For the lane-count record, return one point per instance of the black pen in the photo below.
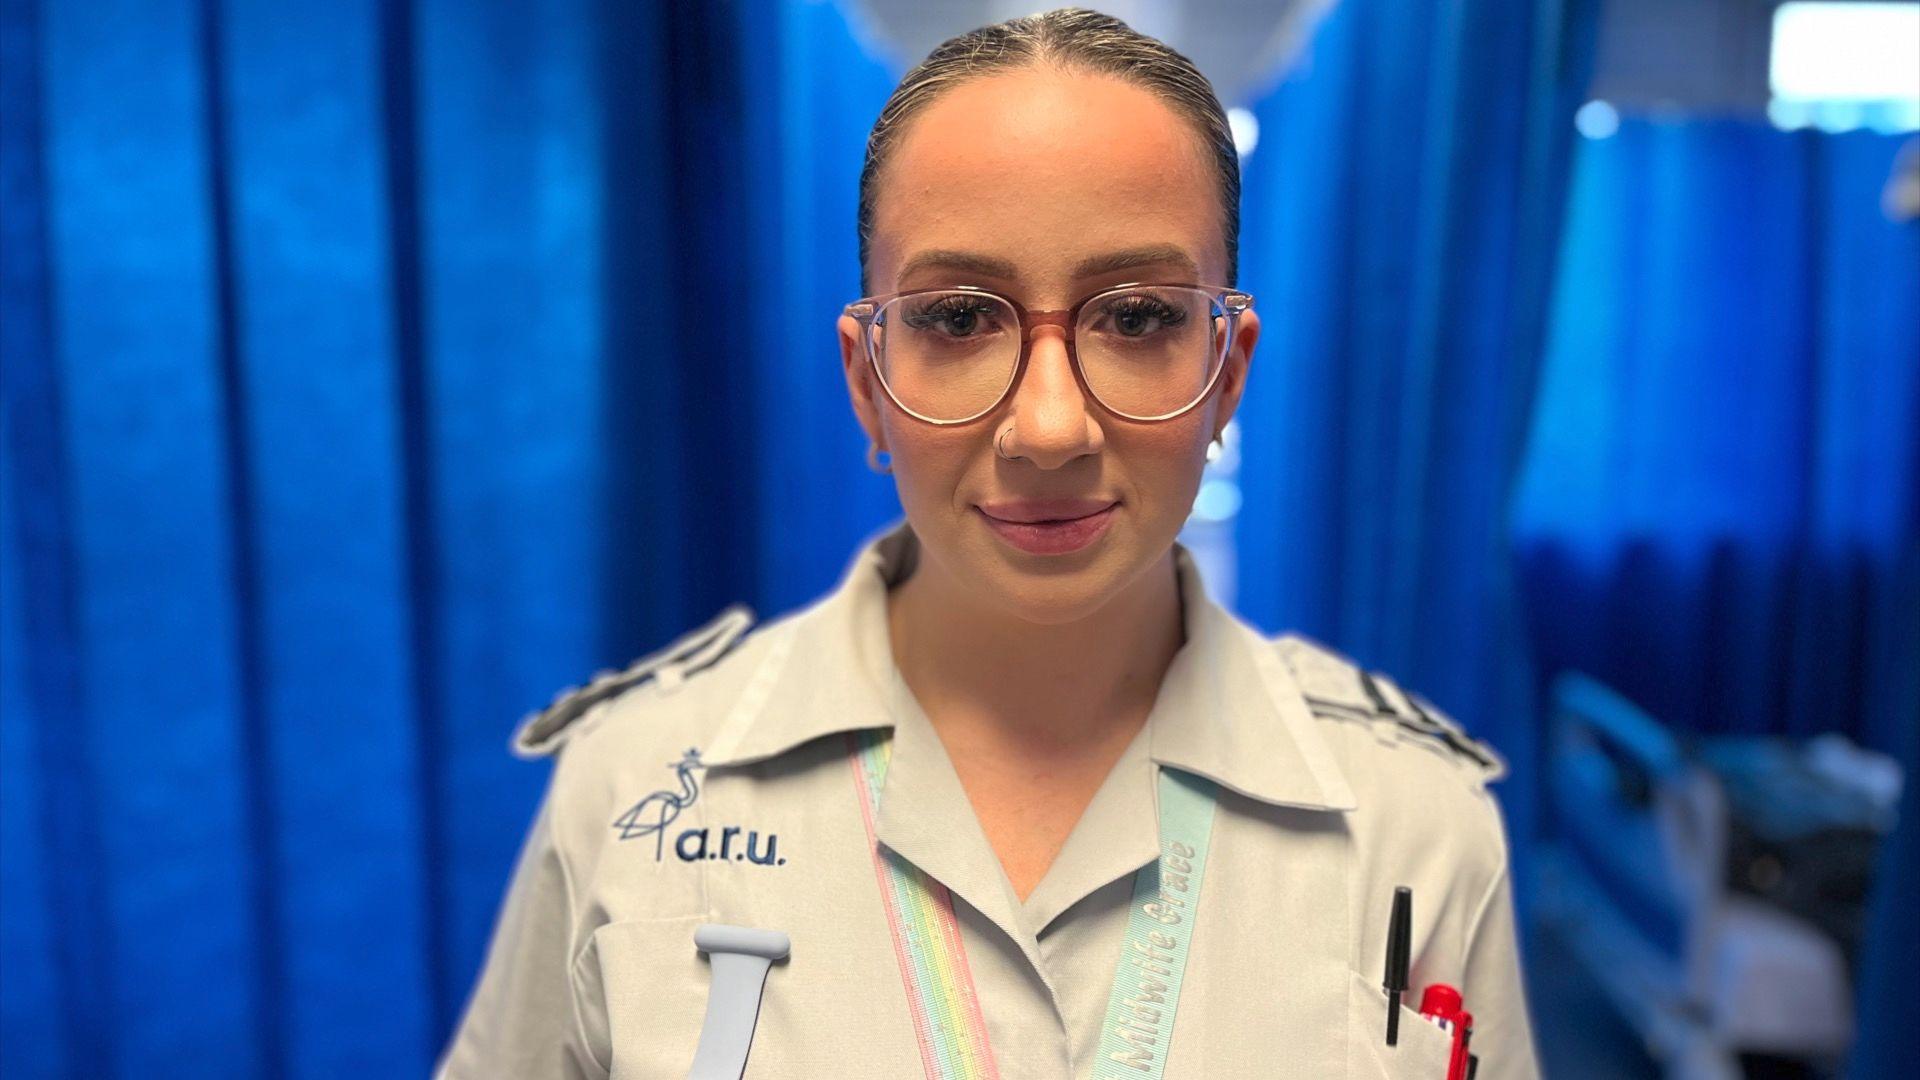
(1399, 943)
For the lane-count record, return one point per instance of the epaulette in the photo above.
(1337, 688)
(542, 731)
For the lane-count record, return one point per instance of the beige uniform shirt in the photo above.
(1334, 787)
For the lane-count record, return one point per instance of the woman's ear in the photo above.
(859, 375)
(1233, 376)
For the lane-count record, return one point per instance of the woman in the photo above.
(1016, 799)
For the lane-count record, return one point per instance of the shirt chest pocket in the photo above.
(650, 982)
(1422, 1051)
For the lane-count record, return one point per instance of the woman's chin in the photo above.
(1049, 592)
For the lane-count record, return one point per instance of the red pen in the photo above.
(1442, 1004)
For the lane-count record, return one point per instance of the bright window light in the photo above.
(1839, 65)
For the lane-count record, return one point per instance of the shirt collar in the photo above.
(828, 668)
(1228, 709)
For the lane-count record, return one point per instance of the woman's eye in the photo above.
(1140, 316)
(959, 320)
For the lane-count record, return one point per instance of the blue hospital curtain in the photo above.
(372, 371)
(1721, 510)
(1402, 216)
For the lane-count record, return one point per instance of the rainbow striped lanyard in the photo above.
(947, 1021)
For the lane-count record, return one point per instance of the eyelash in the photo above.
(1140, 305)
(947, 307)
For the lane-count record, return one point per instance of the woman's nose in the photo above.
(1053, 422)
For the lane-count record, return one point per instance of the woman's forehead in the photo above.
(1044, 174)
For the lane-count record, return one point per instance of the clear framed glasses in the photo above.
(1145, 351)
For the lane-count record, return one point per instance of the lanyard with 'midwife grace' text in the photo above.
(1146, 982)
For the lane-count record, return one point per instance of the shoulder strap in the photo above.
(543, 731)
(1338, 688)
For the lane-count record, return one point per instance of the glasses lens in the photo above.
(1152, 350)
(947, 355)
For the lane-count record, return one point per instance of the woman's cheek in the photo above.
(929, 475)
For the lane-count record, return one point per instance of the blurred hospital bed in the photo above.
(1714, 888)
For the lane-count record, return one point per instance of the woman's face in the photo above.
(1034, 172)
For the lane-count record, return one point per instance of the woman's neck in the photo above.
(992, 681)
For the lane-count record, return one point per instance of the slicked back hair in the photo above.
(1067, 39)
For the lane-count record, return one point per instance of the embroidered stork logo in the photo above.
(651, 815)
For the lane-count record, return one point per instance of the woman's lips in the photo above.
(1053, 536)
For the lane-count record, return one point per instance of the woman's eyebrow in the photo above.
(1139, 256)
(1092, 266)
